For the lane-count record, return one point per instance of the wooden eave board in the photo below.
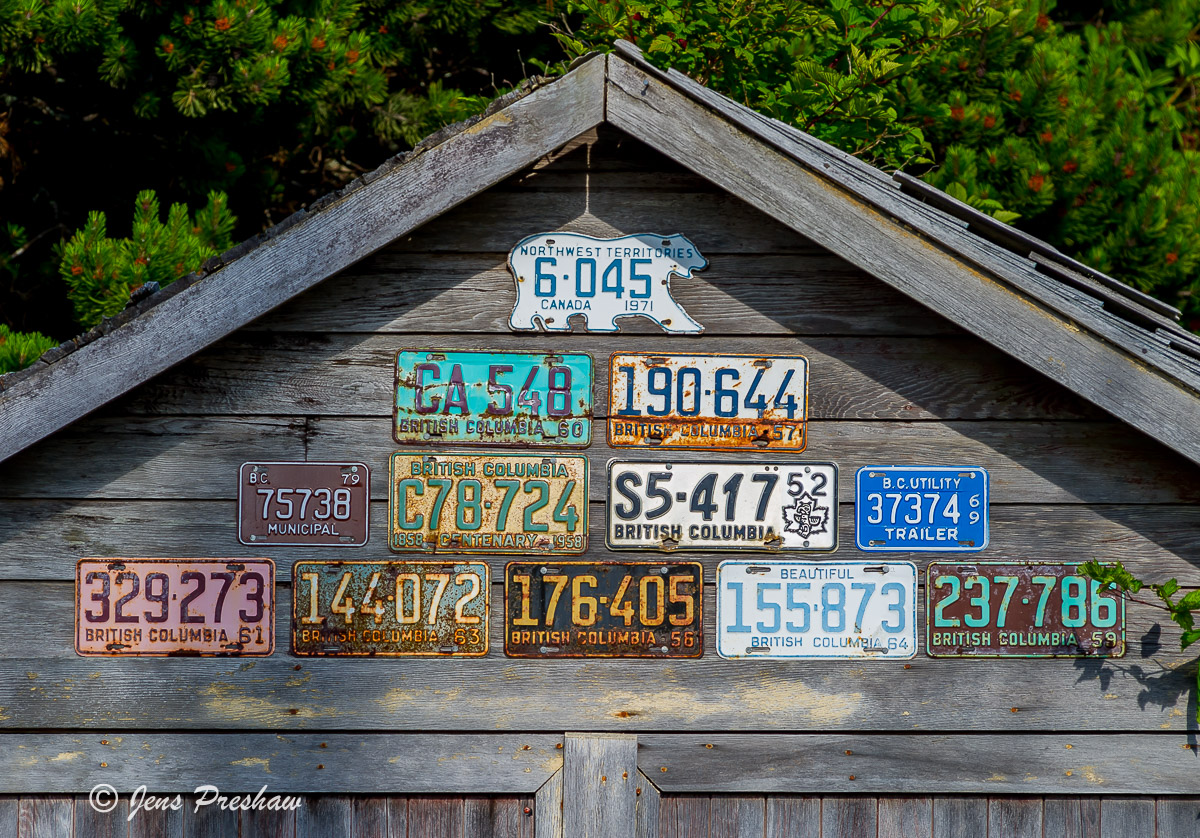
(993, 293)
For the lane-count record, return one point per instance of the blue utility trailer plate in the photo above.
(479, 397)
(921, 509)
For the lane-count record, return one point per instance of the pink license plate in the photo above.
(174, 607)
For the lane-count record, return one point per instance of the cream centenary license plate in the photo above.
(488, 503)
(722, 506)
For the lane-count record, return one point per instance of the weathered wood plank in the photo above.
(954, 817)
(1063, 817)
(45, 816)
(848, 817)
(1067, 763)
(735, 294)
(318, 246)
(435, 816)
(1177, 817)
(619, 694)
(90, 823)
(209, 822)
(599, 785)
(9, 816)
(145, 458)
(793, 817)
(905, 379)
(647, 808)
(498, 817)
(1014, 817)
(160, 824)
(1129, 817)
(370, 817)
(171, 458)
(397, 817)
(684, 816)
(1084, 361)
(325, 816)
(737, 816)
(905, 817)
(335, 763)
(42, 539)
(1029, 462)
(548, 808)
(260, 823)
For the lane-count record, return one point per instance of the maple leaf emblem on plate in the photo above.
(805, 517)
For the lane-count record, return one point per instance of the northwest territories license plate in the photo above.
(161, 607)
(722, 506)
(923, 509)
(998, 610)
(715, 402)
(303, 504)
(390, 609)
(604, 609)
(493, 398)
(816, 610)
(488, 503)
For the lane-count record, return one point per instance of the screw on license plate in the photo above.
(758, 568)
(876, 568)
(546, 570)
(879, 544)
(545, 650)
(752, 649)
(875, 648)
(966, 544)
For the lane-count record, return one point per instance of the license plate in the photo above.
(303, 504)
(779, 610)
(488, 503)
(722, 506)
(161, 607)
(921, 509)
(390, 609)
(604, 610)
(493, 398)
(714, 402)
(999, 610)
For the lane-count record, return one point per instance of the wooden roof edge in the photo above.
(1007, 299)
(254, 276)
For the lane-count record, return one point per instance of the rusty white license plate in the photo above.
(488, 503)
(303, 504)
(722, 506)
(713, 402)
(166, 607)
(390, 609)
(479, 397)
(604, 609)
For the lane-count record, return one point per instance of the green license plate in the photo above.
(487, 503)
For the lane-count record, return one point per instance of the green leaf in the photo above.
(1188, 638)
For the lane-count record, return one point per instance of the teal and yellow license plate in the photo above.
(390, 609)
(509, 399)
(487, 503)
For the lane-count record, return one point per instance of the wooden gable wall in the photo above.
(154, 474)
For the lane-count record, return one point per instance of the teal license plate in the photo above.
(515, 399)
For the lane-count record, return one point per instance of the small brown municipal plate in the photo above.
(163, 607)
(390, 609)
(303, 504)
(603, 609)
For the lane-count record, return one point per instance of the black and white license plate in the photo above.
(722, 506)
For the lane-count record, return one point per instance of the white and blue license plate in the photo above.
(815, 610)
(921, 509)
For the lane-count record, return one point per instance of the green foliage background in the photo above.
(1077, 122)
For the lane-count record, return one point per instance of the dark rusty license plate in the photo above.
(303, 504)
(161, 607)
(603, 609)
(1010, 610)
(390, 609)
